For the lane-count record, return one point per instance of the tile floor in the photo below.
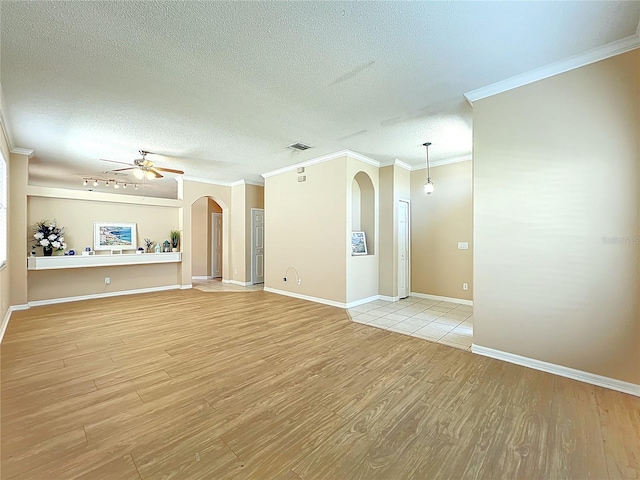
(441, 322)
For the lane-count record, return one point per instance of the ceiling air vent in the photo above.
(299, 146)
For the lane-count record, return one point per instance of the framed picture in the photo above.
(114, 236)
(358, 243)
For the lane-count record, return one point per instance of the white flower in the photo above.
(55, 244)
(64, 245)
(50, 227)
(61, 239)
(38, 235)
(44, 242)
(52, 237)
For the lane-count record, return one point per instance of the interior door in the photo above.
(257, 245)
(216, 245)
(403, 249)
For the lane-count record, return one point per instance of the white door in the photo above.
(216, 245)
(257, 245)
(403, 249)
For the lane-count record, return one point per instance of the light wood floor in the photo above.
(196, 385)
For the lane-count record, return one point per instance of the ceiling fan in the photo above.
(144, 168)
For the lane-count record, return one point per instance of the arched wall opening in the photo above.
(208, 238)
(363, 214)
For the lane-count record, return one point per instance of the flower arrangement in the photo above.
(49, 236)
(149, 243)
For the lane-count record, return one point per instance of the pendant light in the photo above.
(428, 186)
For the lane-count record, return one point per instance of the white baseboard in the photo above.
(5, 323)
(581, 376)
(186, 287)
(7, 317)
(362, 301)
(442, 299)
(236, 282)
(387, 298)
(306, 297)
(51, 301)
(200, 277)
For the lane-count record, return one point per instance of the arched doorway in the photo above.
(207, 235)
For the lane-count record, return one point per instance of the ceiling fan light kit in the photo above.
(143, 168)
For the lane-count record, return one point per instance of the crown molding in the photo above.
(189, 178)
(322, 159)
(571, 63)
(401, 164)
(23, 151)
(397, 163)
(246, 182)
(446, 161)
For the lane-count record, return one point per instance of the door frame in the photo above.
(408, 202)
(213, 244)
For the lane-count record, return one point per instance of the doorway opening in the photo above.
(207, 255)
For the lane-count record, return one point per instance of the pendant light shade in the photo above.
(428, 185)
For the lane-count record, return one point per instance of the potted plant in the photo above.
(174, 235)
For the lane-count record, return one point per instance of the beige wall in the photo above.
(362, 271)
(77, 216)
(5, 290)
(238, 232)
(556, 174)
(189, 192)
(18, 228)
(394, 186)
(438, 222)
(254, 198)
(201, 240)
(306, 228)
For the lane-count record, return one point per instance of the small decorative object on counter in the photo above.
(140, 250)
(158, 248)
(48, 236)
(166, 246)
(149, 243)
(72, 252)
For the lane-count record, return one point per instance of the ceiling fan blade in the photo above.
(155, 172)
(169, 170)
(146, 163)
(121, 169)
(113, 161)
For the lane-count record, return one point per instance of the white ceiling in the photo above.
(218, 89)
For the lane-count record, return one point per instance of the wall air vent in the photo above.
(299, 146)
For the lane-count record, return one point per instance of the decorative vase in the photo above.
(174, 249)
(47, 251)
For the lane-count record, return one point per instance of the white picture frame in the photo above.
(358, 243)
(114, 236)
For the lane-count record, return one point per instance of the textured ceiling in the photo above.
(218, 89)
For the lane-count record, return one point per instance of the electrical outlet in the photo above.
(463, 245)
(465, 286)
(284, 279)
(107, 280)
(299, 281)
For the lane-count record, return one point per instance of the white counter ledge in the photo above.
(83, 261)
